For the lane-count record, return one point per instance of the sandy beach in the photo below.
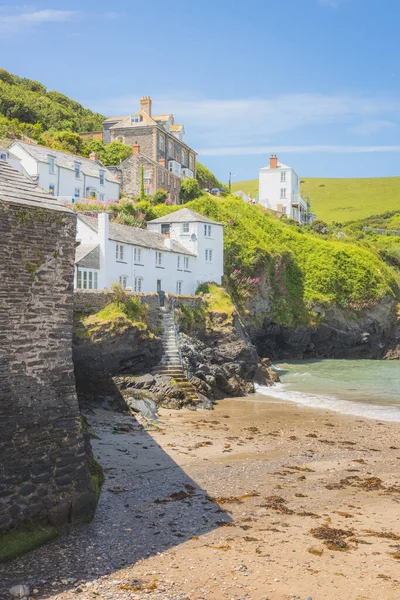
(257, 499)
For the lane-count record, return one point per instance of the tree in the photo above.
(319, 226)
(206, 178)
(190, 190)
(115, 153)
(159, 197)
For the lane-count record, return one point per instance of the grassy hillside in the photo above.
(343, 199)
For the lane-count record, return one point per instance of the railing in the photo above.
(176, 333)
(382, 231)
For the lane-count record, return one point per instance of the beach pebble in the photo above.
(19, 591)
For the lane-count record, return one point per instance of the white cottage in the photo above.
(279, 190)
(175, 254)
(69, 177)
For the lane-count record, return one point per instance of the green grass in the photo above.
(17, 542)
(343, 200)
(218, 300)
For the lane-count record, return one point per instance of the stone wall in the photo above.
(44, 473)
(189, 301)
(91, 301)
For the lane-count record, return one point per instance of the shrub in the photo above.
(190, 190)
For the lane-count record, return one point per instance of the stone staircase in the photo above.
(171, 363)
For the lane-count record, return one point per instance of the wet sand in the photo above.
(257, 499)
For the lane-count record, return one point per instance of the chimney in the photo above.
(94, 156)
(135, 149)
(168, 242)
(145, 104)
(273, 161)
(103, 227)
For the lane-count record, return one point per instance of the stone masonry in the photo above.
(44, 472)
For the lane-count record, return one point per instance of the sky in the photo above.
(316, 82)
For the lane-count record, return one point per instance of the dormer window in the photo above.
(77, 169)
(3, 156)
(102, 178)
(136, 118)
(51, 164)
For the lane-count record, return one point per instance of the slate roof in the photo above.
(136, 236)
(185, 215)
(18, 188)
(83, 250)
(63, 159)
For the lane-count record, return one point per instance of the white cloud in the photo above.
(252, 150)
(371, 127)
(19, 22)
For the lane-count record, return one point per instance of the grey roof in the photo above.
(185, 215)
(18, 188)
(136, 236)
(83, 250)
(63, 159)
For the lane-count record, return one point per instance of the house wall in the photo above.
(195, 241)
(270, 185)
(160, 177)
(44, 468)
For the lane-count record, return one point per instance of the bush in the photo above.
(159, 197)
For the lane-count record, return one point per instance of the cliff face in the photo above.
(340, 333)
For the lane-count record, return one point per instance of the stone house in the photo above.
(45, 474)
(175, 254)
(68, 177)
(158, 138)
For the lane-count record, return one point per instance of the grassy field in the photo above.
(343, 199)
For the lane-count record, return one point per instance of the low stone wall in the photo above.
(189, 301)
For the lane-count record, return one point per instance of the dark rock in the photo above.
(147, 408)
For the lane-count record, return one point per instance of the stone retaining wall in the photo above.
(44, 472)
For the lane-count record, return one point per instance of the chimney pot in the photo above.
(135, 149)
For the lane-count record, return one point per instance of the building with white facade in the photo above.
(67, 176)
(279, 190)
(175, 254)
(13, 160)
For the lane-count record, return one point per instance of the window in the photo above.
(77, 193)
(283, 193)
(186, 263)
(51, 164)
(185, 228)
(137, 255)
(121, 139)
(3, 156)
(191, 162)
(51, 189)
(162, 176)
(101, 197)
(209, 255)
(135, 118)
(165, 228)
(179, 288)
(283, 176)
(123, 280)
(158, 259)
(138, 284)
(102, 178)
(178, 263)
(161, 143)
(183, 157)
(147, 191)
(119, 252)
(77, 168)
(169, 179)
(207, 230)
(169, 148)
(87, 280)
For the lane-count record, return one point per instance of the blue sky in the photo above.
(315, 81)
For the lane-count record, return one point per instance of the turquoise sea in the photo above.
(367, 388)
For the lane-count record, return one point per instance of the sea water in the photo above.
(367, 388)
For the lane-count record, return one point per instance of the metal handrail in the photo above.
(176, 332)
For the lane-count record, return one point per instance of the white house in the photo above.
(279, 190)
(175, 254)
(67, 176)
(13, 160)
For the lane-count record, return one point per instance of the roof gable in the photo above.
(184, 215)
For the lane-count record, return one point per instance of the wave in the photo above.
(279, 391)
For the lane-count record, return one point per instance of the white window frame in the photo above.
(102, 177)
(123, 281)
(3, 156)
(209, 255)
(52, 165)
(182, 157)
(190, 162)
(161, 143)
(147, 191)
(52, 189)
(207, 230)
(179, 288)
(101, 197)
(185, 228)
(186, 263)
(283, 176)
(119, 252)
(135, 118)
(170, 148)
(178, 263)
(283, 194)
(159, 258)
(77, 193)
(87, 279)
(137, 255)
(77, 169)
(138, 284)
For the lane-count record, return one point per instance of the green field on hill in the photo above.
(343, 199)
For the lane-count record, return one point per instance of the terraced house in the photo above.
(157, 144)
